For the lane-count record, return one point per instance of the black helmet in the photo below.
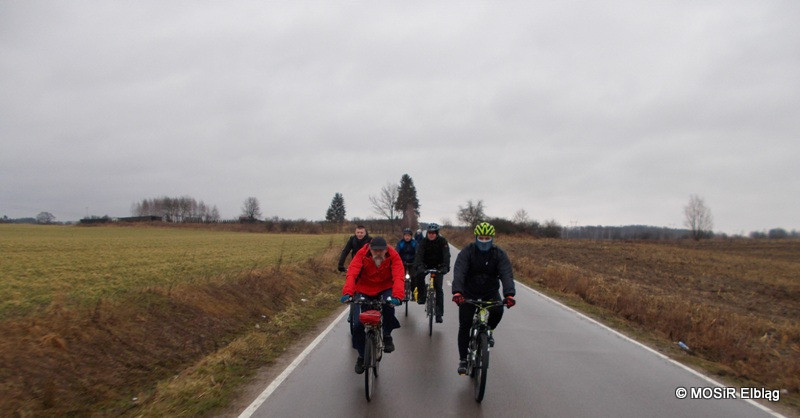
(433, 228)
(407, 231)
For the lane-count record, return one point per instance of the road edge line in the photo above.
(650, 349)
(248, 412)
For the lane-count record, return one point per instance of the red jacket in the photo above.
(365, 277)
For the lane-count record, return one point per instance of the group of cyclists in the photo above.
(377, 271)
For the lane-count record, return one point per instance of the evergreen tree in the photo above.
(407, 202)
(336, 211)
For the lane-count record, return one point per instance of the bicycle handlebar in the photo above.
(428, 271)
(484, 303)
(361, 300)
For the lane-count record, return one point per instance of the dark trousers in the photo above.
(390, 321)
(465, 314)
(422, 291)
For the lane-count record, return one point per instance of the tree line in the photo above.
(176, 209)
(398, 207)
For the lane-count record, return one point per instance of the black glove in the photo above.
(342, 269)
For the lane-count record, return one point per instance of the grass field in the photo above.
(84, 264)
(146, 321)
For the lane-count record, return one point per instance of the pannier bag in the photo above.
(371, 317)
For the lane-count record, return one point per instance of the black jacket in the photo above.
(432, 255)
(353, 244)
(478, 274)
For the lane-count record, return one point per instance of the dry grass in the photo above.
(735, 303)
(175, 347)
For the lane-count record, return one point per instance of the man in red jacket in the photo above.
(375, 272)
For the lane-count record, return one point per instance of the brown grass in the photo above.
(735, 303)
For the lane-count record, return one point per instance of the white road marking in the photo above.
(247, 413)
(663, 356)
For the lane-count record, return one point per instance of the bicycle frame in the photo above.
(478, 348)
(430, 303)
(372, 319)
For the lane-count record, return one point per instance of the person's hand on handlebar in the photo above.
(458, 298)
(346, 298)
(509, 301)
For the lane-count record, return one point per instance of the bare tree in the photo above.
(251, 209)
(698, 217)
(384, 203)
(45, 218)
(472, 214)
(521, 217)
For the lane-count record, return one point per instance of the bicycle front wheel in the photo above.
(430, 307)
(370, 364)
(481, 366)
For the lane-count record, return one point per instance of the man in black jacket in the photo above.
(354, 243)
(433, 252)
(480, 268)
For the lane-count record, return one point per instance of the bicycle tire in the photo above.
(481, 366)
(369, 365)
(431, 307)
(472, 362)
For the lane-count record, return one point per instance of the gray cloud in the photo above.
(600, 113)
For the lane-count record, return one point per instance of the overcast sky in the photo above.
(588, 113)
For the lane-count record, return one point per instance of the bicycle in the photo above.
(372, 319)
(409, 287)
(430, 302)
(479, 344)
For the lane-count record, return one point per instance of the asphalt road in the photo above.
(548, 361)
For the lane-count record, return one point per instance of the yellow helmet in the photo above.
(484, 228)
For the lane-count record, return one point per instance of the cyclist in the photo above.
(479, 269)
(353, 244)
(375, 272)
(406, 247)
(418, 236)
(433, 252)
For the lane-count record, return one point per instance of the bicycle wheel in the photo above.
(408, 296)
(430, 307)
(350, 319)
(481, 366)
(369, 365)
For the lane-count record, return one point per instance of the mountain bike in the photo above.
(430, 302)
(372, 319)
(478, 349)
(409, 287)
